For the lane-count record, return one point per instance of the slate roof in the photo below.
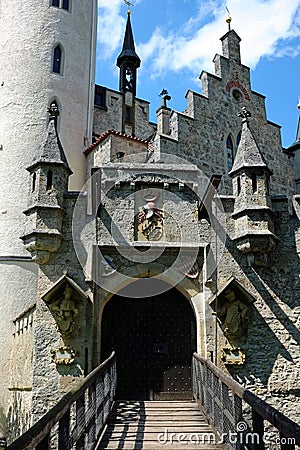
(128, 50)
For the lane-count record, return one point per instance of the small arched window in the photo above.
(49, 180)
(55, 3)
(57, 60)
(229, 151)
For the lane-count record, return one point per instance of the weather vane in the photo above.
(229, 18)
(129, 5)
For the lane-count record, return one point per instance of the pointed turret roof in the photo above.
(52, 151)
(248, 154)
(128, 50)
(296, 145)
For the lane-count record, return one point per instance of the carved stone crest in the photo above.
(150, 218)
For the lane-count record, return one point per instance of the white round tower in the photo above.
(47, 54)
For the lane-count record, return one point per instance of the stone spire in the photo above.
(49, 177)
(252, 213)
(52, 151)
(128, 61)
(248, 154)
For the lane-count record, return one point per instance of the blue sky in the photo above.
(177, 39)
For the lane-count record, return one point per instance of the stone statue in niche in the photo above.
(233, 314)
(65, 312)
(150, 219)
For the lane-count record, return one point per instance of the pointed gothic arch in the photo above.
(57, 59)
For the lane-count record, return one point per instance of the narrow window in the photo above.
(57, 60)
(238, 139)
(55, 3)
(238, 185)
(49, 180)
(229, 150)
(100, 96)
(268, 185)
(254, 182)
(65, 5)
(128, 115)
(33, 181)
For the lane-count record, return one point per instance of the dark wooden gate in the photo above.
(154, 339)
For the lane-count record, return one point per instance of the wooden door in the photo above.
(154, 339)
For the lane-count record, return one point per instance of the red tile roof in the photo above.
(115, 133)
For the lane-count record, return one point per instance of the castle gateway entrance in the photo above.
(154, 339)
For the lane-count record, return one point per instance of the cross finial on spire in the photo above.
(229, 18)
(244, 114)
(165, 97)
(129, 5)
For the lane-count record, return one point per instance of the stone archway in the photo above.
(154, 338)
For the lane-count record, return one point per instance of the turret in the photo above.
(48, 53)
(49, 176)
(252, 209)
(128, 62)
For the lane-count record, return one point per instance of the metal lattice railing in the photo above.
(78, 419)
(241, 419)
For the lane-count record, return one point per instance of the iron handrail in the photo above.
(231, 392)
(92, 400)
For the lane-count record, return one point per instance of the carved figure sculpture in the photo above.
(233, 314)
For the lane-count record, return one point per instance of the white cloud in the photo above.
(111, 24)
(260, 24)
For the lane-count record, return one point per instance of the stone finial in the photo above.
(53, 111)
(244, 114)
(165, 97)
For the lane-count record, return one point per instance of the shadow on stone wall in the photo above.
(18, 419)
(2, 423)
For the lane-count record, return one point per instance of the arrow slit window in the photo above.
(229, 151)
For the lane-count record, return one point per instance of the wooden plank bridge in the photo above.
(156, 424)
(90, 418)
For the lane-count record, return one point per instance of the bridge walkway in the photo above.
(157, 424)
